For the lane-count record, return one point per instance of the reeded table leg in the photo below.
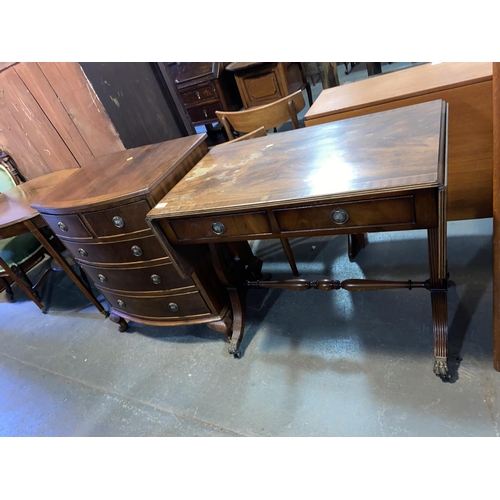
(238, 304)
(438, 281)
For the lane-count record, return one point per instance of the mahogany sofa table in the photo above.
(380, 172)
(17, 217)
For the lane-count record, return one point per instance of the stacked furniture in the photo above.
(99, 213)
(205, 87)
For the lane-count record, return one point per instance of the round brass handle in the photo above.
(83, 252)
(121, 303)
(102, 278)
(218, 228)
(339, 216)
(62, 226)
(155, 279)
(198, 95)
(118, 221)
(173, 307)
(205, 113)
(137, 250)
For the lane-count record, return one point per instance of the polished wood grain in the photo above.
(362, 155)
(466, 87)
(496, 216)
(382, 172)
(15, 204)
(121, 176)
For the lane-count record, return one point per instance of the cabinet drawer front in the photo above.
(68, 226)
(199, 94)
(171, 306)
(120, 220)
(151, 278)
(379, 212)
(205, 112)
(221, 227)
(121, 252)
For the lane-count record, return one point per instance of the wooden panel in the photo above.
(398, 85)
(233, 225)
(31, 138)
(47, 99)
(470, 142)
(68, 226)
(83, 106)
(496, 216)
(119, 252)
(134, 100)
(379, 212)
(188, 304)
(5, 65)
(138, 278)
(133, 218)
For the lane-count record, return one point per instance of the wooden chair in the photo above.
(261, 132)
(268, 116)
(21, 253)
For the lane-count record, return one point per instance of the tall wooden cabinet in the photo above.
(99, 213)
(205, 87)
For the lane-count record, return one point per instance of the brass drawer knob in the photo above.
(218, 228)
(198, 95)
(83, 252)
(155, 279)
(121, 303)
(173, 307)
(137, 250)
(205, 113)
(62, 226)
(118, 221)
(102, 278)
(339, 216)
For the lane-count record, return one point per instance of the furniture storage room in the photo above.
(258, 249)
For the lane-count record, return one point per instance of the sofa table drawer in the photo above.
(67, 226)
(120, 252)
(354, 214)
(119, 220)
(221, 227)
(150, 278)
(165, 306)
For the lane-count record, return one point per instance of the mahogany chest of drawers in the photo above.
(205, 87)
(99, 213)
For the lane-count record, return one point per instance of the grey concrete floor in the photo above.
(314, 363)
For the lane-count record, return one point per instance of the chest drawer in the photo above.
(173, 307)
(366, 213)
(199, 94)
(68, 226)
(121, 252)
(120, 220)
(150, 278)
(205, 112)
(221, 227)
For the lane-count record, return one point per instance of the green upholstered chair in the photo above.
(18, 254)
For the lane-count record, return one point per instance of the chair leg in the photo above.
(289, 255)
(19, 276)
(8, 290)
(309, 94)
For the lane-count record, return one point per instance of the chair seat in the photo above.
(16, 250)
